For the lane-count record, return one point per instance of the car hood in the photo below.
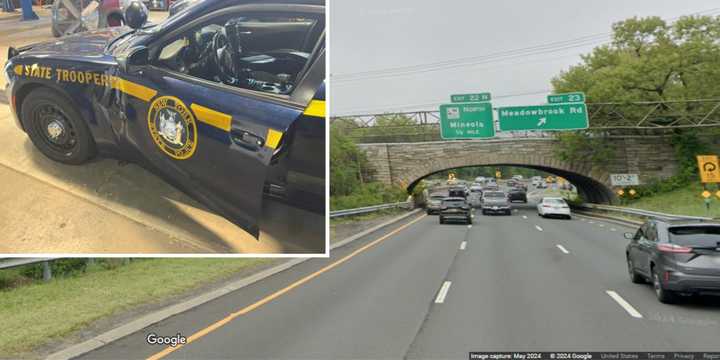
(84, 45)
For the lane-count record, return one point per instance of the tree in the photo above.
(348, 164)
(650, 60)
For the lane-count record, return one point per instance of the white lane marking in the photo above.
(591, 222)
(625, 305)
(443, 292)
(469, 226)
(602, 225)
(538, 227)
(582, 219)
(515, 210)
(463, 245)
(613, 229)
(562, 248)
(524, 216)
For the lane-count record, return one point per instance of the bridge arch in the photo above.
(405, 164)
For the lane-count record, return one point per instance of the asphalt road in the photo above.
(511, 288)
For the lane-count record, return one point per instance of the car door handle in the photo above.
(246, 139)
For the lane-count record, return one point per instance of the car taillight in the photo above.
(673, 248)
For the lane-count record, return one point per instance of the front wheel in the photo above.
(442, 221)
(56, 128)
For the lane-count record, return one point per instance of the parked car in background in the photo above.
(495, 202)
(434, 203)
(676, 257)
(553, 206)
(517, 177)
(455, 209)
(517, 194)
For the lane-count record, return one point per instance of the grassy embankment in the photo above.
(34, 313)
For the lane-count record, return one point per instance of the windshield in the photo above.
(698, 236)
(494, 194)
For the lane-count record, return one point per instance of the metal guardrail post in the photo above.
(368, 209)
(47, 271)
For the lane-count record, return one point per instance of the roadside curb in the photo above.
(164, 313)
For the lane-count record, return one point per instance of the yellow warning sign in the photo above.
(718, 194)
(621, 192)
(706, 194)
(632, 192)
(498, 174)
(709, 168)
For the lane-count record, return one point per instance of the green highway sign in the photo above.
(470, 98)
(543, 117)
(466, 121)
(574, 97)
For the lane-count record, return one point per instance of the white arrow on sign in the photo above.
(541, 122)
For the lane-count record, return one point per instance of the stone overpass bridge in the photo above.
(405, 164)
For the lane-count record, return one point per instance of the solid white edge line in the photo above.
(463, 245)
(443, 292)
(562, 248)
(625, 305)
(538, 228)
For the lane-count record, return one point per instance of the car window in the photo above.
(699, 236)
(554, 201)
(262, 52)
(651, 232)
(640, 234)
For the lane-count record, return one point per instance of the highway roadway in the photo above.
(424, 290)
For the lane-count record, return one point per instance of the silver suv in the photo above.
(495, 202)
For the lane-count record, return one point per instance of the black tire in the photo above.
(428, 212)
(43, 108)
(634, 276)
(484, 212)
(442, 221)
(469, 220)
(665, 296)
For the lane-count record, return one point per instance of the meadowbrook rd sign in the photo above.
(571, 116)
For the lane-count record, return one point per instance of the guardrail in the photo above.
(368, 209)
(639, 212)
(6, 263)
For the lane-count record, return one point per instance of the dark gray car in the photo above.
(495, 202)
(455, 209)
(677, 257)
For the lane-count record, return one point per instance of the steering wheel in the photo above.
(223, 58)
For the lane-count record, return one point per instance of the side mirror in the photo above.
(136, 14)
(628, 235)
(139, 56)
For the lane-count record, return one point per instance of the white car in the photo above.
(554, 206)
(518, 177)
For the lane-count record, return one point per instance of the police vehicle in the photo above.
(225, 100)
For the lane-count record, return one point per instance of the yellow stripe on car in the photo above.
(211, 117)
(315, 108)
(272, 140)
(139, 91)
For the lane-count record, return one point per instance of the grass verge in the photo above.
(683, 201)
(35, 314)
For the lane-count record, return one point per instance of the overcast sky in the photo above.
(369, 37)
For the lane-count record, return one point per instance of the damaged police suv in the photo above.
(225, 100)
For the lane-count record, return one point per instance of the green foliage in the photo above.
(651, 60)
(687, 146)
(578, 146)
(368, 195)
(59, 267)
(348, 164)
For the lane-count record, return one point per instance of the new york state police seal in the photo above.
(172, 127)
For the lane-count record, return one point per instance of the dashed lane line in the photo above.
(443, 292)
(624, 304)
(463, 245)
(562, 248)
(538, 228)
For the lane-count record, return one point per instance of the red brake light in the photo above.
(672, 248)
(547, 206)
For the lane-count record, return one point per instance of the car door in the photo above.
(212, 138)
(635, 250)
(646, 246)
